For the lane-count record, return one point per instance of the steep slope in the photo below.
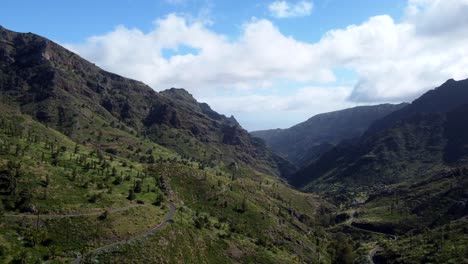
(306, 141)
(64, 91)
(423, 136)
(82, 167)
(383, 158)
(403, 183)
(441, 99)
(84, 198)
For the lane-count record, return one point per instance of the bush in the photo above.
(159, 199)
(104, 215)
(118, 180)
(138, 186)
(94, 198)
(111, 151)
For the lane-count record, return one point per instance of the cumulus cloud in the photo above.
(438, 16)
(284, 9)
(313, 99)
(264, 111)
(394, 61)
(250, 61)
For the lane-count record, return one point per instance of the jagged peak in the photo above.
(179, 91)
(233, 120)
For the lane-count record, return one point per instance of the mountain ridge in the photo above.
(53, 84)
(75, 139)
(424, 132)
(305, 141)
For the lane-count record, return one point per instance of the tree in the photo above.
(200, 220)
(93, 198)
(118, 180)
(131, 195)
(55, 160)
(343, 249)
(138, 186)
(243, 206)
(159, 199)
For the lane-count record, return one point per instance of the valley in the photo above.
(99, 168)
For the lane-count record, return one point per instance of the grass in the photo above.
(224, 214)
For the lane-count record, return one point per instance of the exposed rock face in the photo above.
(64, 91)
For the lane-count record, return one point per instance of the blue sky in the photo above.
(74, 21)
(270, 63)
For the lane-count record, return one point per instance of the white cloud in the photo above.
(314, 99)
(250, 61)
(438, 16)
(284, 9)
(394, 61)
(276, 110)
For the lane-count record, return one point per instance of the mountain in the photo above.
(405, 178)
(95, 167)
(426, 134)
(442, 99)
(68, 93)
(304, 142)
(98, 168)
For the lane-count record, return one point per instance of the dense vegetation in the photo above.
(88, 158)
(408, 173)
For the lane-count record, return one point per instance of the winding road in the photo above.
(377, 246)
(374, 250)
(372, 254)
(169, 217)
(49, 216)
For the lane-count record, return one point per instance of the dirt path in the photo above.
(377, 247)
(48, 216)
(168, 218)
(392, 237)
(348, 222)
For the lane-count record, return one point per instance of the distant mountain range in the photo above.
(404, 145)
(404, 172)
(306, 141)
(415, 159)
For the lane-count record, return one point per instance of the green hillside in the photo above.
(405, 178)
(98, 168)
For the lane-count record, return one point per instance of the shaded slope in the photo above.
(444, 98)
(66, 92)
(424, 138)
(228, 211)
(306, 141)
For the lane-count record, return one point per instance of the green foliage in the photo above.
(131, 195)
(87, 143)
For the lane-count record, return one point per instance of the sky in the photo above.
(270, 63)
